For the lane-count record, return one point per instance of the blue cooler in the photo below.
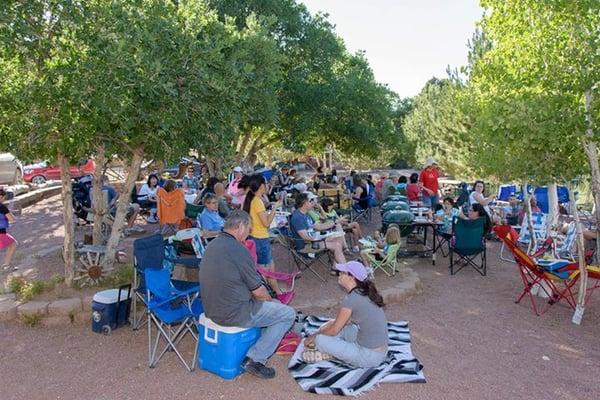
(221, 349)
(110, 309)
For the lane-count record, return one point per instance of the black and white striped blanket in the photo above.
(335, 377)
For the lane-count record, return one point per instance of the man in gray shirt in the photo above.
(233, 294)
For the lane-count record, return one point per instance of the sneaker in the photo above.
(257, 369)
(355, 249)
(315, 356)
(138, 229)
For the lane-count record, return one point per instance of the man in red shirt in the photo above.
(429, 178)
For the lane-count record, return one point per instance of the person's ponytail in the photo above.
(367, 288)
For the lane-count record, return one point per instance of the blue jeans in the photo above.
(275, 319)
(344, 348)
(263, 251)
(431, 201)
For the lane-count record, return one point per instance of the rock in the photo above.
(65, 307)
(8, 310)
(33, 307)
(8, 297)
(30, 274)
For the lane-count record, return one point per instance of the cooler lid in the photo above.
(208, 323)
(109, 296)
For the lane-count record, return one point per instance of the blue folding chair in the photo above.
(151, 252)
(173, 312)
(148, 252)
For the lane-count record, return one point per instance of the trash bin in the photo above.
(110, 309)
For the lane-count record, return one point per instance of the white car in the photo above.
(11, 170)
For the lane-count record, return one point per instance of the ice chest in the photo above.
(221, 349)
(110, 309)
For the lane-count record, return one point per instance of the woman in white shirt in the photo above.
(477, 196)
(147, 196)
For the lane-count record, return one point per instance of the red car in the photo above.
(43, 171)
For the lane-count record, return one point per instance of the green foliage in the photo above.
(27, 290)
(123, 275)
(516, 111)
(438, 127)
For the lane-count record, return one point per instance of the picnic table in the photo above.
(423, 224)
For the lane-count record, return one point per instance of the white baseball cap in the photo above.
(238, 169)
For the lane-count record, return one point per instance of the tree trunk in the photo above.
(591, 151)
(98, 204)
(256, 145)
(68, 219)
(552, 208)
(123, 204)
(578, 315)
(527, 206)
(242, 149)
(210, 163)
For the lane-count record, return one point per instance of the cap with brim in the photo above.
(430, 161)
(355, 269)
(238, 169)
(311, 195)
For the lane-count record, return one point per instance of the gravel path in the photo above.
(474, 341)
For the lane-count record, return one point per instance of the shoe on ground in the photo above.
(257, 369)
(314, 356)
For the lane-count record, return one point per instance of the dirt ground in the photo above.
(473, 340)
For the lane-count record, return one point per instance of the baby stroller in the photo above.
(82, 202)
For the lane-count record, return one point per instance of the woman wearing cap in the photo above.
(358, 336)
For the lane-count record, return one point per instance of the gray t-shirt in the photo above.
(370, 319)
(227, 278)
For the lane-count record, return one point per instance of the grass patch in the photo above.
(31, 319)
(26, 291)
(121, 276)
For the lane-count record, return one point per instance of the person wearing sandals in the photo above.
(358, 336)
(7, 242)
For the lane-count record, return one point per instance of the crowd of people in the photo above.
(236, 220)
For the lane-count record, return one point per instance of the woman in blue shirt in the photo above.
(210, 220)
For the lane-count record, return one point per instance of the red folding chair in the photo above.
(556, 285)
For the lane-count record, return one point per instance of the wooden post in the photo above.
(68, 219)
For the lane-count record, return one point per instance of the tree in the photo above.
(324, 96)
(39, 118)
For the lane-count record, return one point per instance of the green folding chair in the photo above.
(468, 243)
(389, 262)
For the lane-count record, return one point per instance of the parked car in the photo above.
(44, 171)
(11, 170)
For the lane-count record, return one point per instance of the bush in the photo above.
(26, 291)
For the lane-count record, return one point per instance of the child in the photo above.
(7, 242)
(392, 236)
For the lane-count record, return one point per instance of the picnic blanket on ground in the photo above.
(335, 377)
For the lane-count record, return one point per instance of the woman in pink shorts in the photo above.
(7, 242)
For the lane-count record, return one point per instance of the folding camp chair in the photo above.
(539, 230)
(389, 261)
(287, 278)
(534, 275)
(308, 257)
(172, 311)
(468, 242)
(502, 231)
(148, 252)
(151, 252)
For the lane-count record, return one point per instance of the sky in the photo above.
(407, 42)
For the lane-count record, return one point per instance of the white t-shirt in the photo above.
(146, 192)
(473, 200)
